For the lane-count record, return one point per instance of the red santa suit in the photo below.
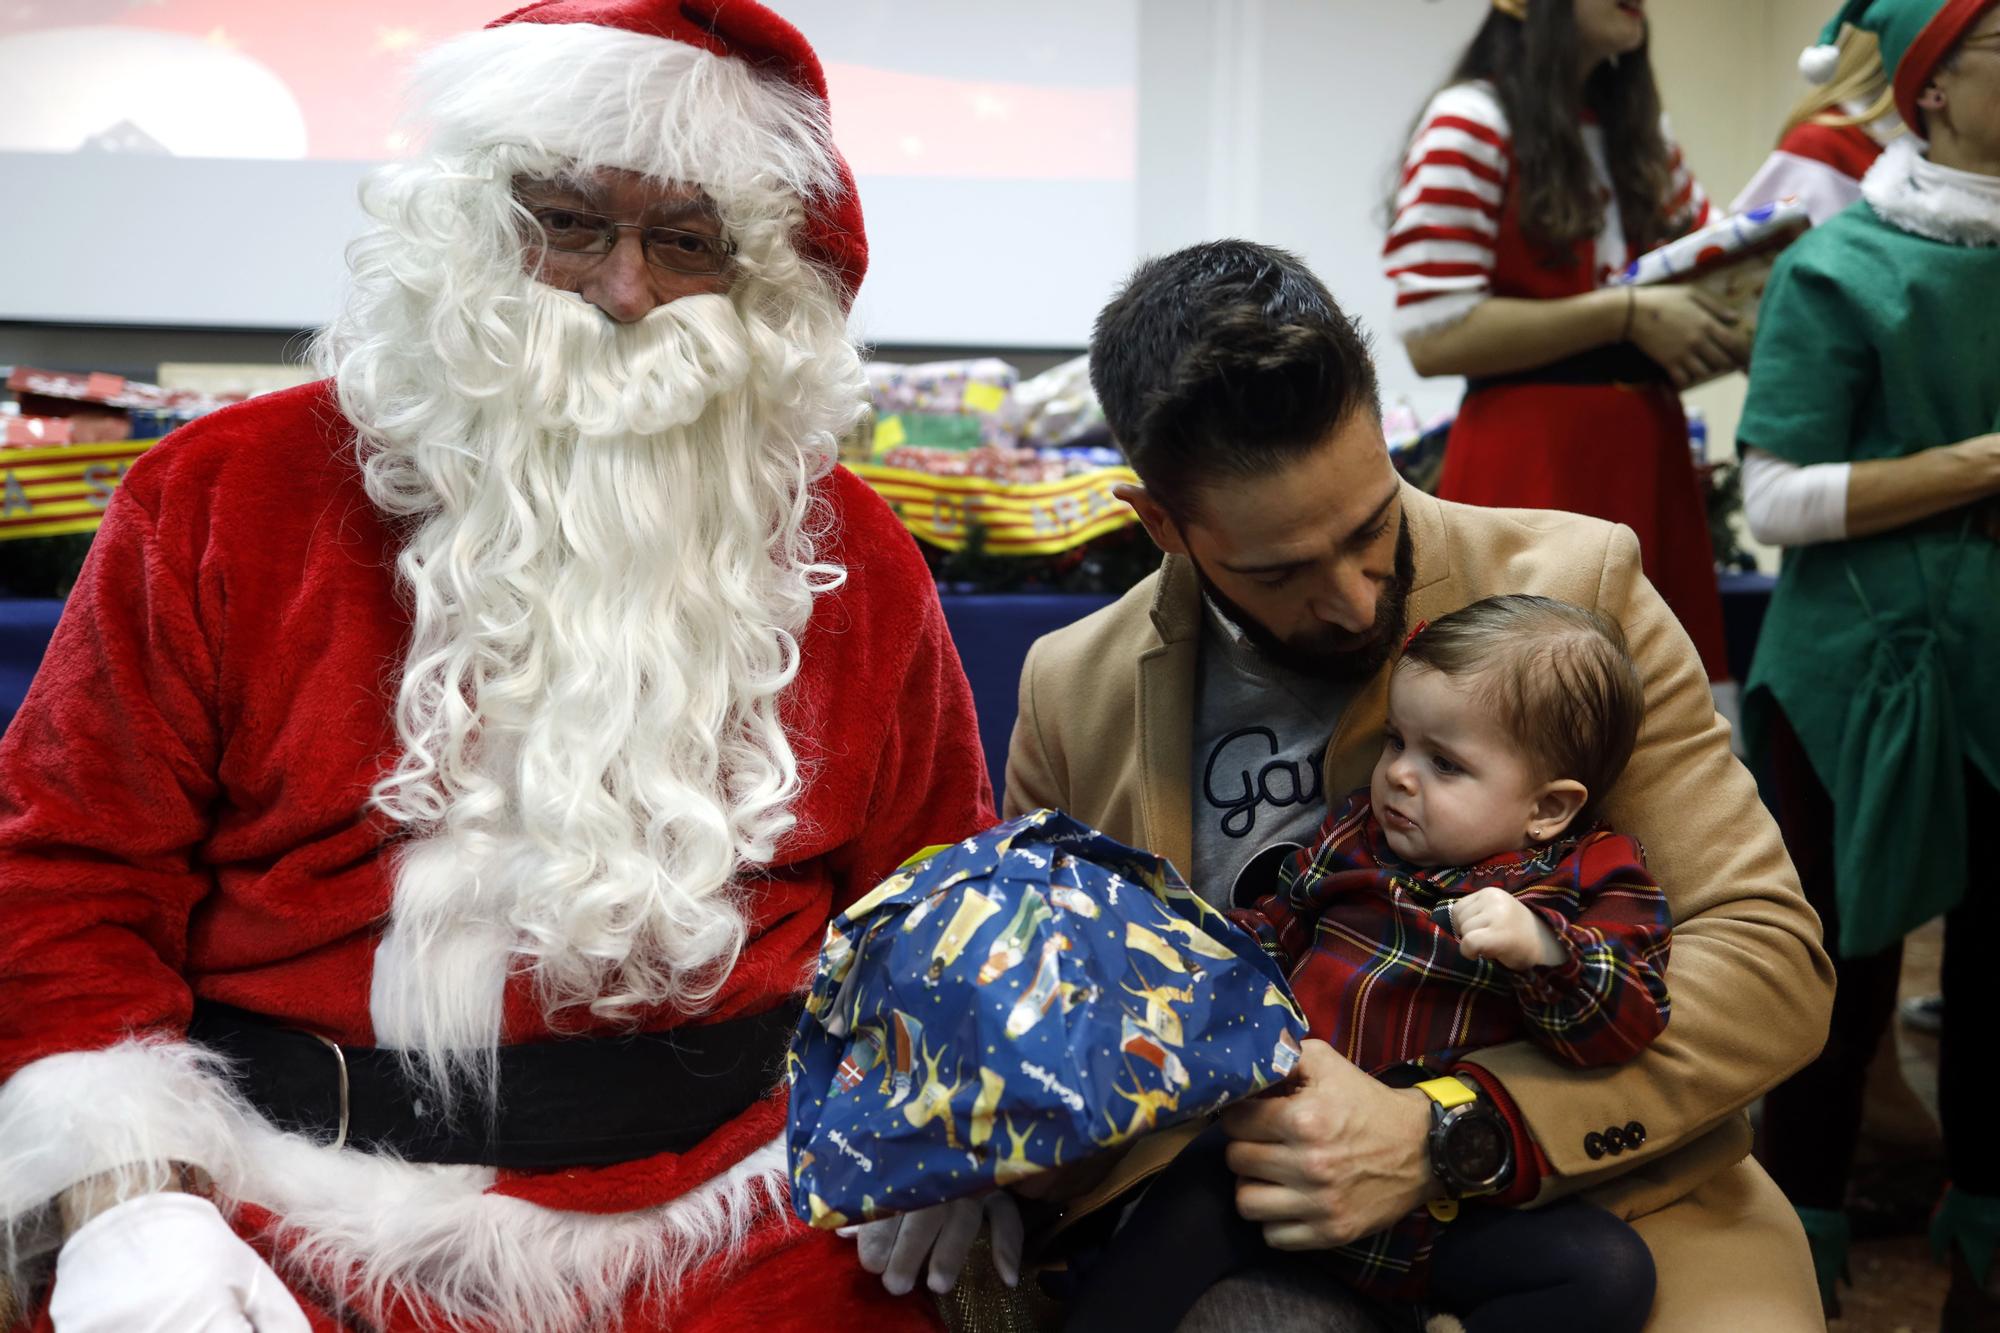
(1602, 434)
(184, 817)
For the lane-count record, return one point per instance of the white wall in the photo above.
(1283, 121)
(1728, 98)
(976, 242)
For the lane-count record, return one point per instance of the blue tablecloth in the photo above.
(25, 627)
(1745, 599)
(993, 634)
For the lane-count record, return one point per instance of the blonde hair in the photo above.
(1859, 77)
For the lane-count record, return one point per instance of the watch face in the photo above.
(1475, 1149)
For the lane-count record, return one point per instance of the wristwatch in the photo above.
(1472, 1150)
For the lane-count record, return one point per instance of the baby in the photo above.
(1466, 899)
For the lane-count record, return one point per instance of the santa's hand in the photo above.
(897, 1247)
(167, 1263)
(1494, 924)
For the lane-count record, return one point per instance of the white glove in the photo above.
(896, 1246)
(167, 1263)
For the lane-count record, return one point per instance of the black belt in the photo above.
(1618, 363)
(574, 1102)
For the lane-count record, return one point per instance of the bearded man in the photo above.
(1246, 400)
(433, 799)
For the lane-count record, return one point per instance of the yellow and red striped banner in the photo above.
(1034, 518)
(46, 492)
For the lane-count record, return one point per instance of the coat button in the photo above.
(1614, 1139)
(1593, 1145)
(1635, 1133)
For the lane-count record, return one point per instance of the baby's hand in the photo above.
(1493, 924)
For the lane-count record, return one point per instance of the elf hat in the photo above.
(1916, 35)
(719, 93)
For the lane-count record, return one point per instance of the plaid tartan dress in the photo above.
(1368, 943)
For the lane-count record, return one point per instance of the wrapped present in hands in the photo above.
(1014, 1004)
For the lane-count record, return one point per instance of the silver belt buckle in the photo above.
(340, 1061)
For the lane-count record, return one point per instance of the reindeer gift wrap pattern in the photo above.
(1015, 1003)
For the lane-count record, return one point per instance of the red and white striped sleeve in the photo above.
(1440, 251)
(1688, 205)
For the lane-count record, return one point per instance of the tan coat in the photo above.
(1105, 732)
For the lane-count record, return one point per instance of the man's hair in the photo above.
(1558, 677)
(1222, 361)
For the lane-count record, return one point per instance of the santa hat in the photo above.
(720, 93)
(1916, 36)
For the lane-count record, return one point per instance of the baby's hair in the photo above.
(1558, 676)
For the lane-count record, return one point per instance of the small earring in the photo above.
(1535, 834)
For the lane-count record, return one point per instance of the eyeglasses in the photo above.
(573, 232)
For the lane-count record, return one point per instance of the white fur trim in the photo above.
(369, 1225)
(451, 1001)
(1817, 64)
(66, 1118)
(1885, 128)
(360, 1223)
(1909, 191)
(604, 97)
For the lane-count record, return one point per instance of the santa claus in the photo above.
(431, 804)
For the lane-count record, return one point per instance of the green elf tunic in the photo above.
(1879, 337)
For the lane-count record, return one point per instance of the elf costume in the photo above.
(1872, 690)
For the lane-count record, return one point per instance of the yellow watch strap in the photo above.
(1447, 1092)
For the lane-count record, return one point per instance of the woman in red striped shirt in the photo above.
(1538, 173)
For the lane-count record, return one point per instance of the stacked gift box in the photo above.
(58, 407)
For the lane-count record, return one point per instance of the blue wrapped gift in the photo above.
(1014, 1003)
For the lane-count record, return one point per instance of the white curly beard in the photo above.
(611, 560)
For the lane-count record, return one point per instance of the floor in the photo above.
(1898, 1287)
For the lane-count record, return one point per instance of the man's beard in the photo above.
(611, 564)
(1330, 652)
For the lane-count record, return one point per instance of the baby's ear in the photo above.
(1555, 807)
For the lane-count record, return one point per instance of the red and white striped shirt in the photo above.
(1456, 227)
